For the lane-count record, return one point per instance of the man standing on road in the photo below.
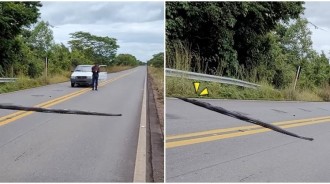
(95, 79)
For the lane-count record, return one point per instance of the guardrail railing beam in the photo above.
(209, 78)
(2, 80)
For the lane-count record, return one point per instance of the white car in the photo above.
(82, 75)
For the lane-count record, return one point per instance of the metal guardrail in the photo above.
(7, 80)
(210, 78)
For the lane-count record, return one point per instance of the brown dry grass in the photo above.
(157, 80)
(113, 69)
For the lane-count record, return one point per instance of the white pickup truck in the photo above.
(82, 75)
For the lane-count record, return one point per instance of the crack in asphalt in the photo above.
(243, 179)
(304, 110)
(26, 132)
(279, 111)
(234, 159)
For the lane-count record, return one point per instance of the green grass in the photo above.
(26, 83)
(180, 87)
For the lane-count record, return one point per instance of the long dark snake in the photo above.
(60, 111)
(242, 117)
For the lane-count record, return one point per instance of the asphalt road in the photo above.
(205, 146)
(44, 147)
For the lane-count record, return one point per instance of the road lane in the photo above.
(217, 134)
(260, 157)
(44, 147)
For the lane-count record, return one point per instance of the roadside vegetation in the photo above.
(156, 71)
(27, 42)
(156, 76)
(24, 82)
(113, 69)
(259, 42)
(180, 87)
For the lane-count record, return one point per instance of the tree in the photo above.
(157, 60)
(231, 35)
(96, 48)
(295, 45)
(126, 60)
(41, 38)
(321, 70)
(13, 17)
(59, 58)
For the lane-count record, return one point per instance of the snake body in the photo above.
(242, 117)
(61, 111)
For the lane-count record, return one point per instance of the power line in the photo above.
(317, 27)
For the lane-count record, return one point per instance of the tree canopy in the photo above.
(226, 34)
(126, 59)
(99, 49)
(14, 16)
(157, 60)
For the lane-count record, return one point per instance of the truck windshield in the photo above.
(83, 69)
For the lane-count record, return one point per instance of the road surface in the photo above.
(43, 147)
(205, 146)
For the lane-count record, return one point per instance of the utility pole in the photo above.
(12, 71)
(296, 79)
(46, 67)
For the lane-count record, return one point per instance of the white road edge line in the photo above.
(141, 158)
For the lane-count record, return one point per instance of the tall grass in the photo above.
(324, 92)
(157, 75)
(179, 56)
(24, 82)
(157, 79)
(113, 69)
(180, 87)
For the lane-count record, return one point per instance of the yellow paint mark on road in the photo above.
(212, 135)
(20, 114)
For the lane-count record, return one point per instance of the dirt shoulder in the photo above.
(155, 131)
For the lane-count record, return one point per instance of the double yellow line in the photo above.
(20, 114)
(173, 141)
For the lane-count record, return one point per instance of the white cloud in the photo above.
(137, 26)
(317, 13)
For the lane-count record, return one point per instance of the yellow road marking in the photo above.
(44, 104)
(39, 105)
(20, 114)
(210, 135)
(170, 137)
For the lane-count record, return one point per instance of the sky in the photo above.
(318, 14)
(137, 26)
